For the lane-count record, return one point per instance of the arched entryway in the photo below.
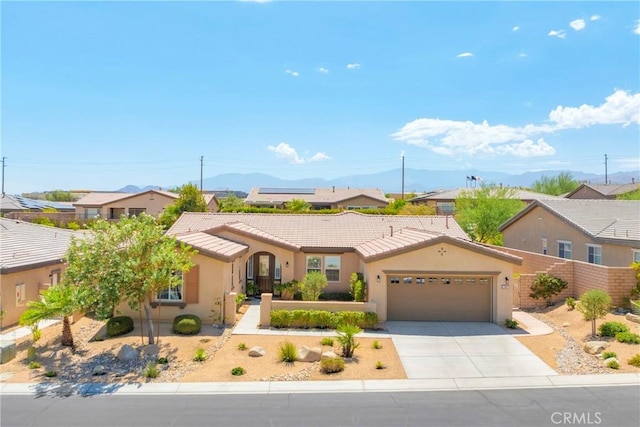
(264, 271)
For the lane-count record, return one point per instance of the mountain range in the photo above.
(415, 180)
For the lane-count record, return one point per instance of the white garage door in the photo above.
(439, 298)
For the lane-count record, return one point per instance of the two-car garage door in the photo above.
(437, 297)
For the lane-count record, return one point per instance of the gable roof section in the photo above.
(214, 246)
(25, 245)
(269, 196)
(18, 203)
(101, 199)
(608, 189)
(344, 230)
(607, 220)
(454, 193)
(409, 239)
(255, 233)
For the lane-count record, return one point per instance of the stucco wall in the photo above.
(359, 201)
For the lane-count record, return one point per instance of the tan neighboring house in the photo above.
(30, 261)
(444, 200)
(605, 232)
(416, 267)
(319, 198)
(602, 191)
(113, 205)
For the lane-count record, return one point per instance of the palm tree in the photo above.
(59, 300)
(298, 205)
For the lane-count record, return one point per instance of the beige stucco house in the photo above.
(113, 205)
(416, 267)
(318, 198)
(30, 261)
(605, 232)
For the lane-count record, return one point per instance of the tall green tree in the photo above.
(190, 199)
(594, 305)
(231, 203)
(127, 261)
(480, 211)
(298, 206)
(562, 183)
(59, 196)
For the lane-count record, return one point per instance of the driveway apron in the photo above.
(462, 350)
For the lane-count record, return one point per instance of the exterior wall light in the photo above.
(378, 278)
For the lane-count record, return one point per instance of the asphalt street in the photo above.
(617, 406)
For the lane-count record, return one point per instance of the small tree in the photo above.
(190, 199)
(546, 286)
(312, 285)
(594, 305)
(231, 203)
(346, 338)
(298, 206)
(357, 286)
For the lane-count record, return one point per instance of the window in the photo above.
(55, 277)
(394, 280)
(250, 268)
(91, 213)
(136, 211)
(277, 274)
(594, 254)
(544, 246)
(458, 281)
(174, 292)
(471, 281)
(445, 208)
(332, 268)
(483, 281)
(564, 249)
(407, 280)
(21, 294)
(421, 280)
(314, 263)
(636, 255)
(445, 281)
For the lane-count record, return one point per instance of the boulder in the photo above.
(150, 352)
(565, 325)
(127, 353)
(595, 347)
(99, 370)
(257, 351)
(611, 359)
(632, 317)
(309, 354)
(329, 355)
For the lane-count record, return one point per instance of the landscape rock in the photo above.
(611, 359)
(309, 354)
(150, 352)
(595, 347)
(565, 324)
(632, 317)
(98, 370)
(127, 353)
(329, 355)
(257, 351)
(7, 351)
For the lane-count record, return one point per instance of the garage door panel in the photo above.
(452, 299)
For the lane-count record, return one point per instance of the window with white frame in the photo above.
(594, 254)
(314, 263)
(21, 294)
(636, 255)
(564, 249)
(277, 273)
(250, 268)
(544, 245)
(332, 268)
(175, 291)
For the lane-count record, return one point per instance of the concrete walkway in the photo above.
(529, 325)
(20, 332)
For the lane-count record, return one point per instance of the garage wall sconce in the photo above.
(506, 283)
(286, 264)
(378, 278)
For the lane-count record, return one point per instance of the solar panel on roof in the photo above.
(286, 191)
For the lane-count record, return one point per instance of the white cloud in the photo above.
(522, 55)
(323, 70)
(464, 55)
(577, 24)
(286, 152)
(454, 138)
(595, 17)
(516, 28)
(353, 66)
(637, 29)
(559, 33)
(292, 73)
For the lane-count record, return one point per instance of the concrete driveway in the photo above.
(462, 350)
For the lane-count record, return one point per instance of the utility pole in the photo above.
(606, 177)
(201, 166)
(403, 177)
(3, 166)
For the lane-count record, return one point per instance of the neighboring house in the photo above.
(605, 232)
(318, 198)
(223, 194)
(30, 261)
(15, 203)
(444, 200)
(602, 191)
(113, 205)
(416, 267)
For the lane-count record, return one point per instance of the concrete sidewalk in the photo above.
(529, 325)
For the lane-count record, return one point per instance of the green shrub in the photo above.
(613, 364)
(635, 361)
(242, 346)
(200, 355)
(301, 318)
(240, 299)
(31, 354)
(628, 337)
(380, 365)
(593, 305)
(332, 365)
(312, 285)
(328, 341)
(72, 225)
(571, 303)
(370, 320)
(281, 318)
(151, 370)
(50, 374)
(323, 319)
(610, 329)
(335, 296)
(511, 323)
(609, 354)
(376, 345)
(287, 352)
(162, 360)
(44, 221)
(357, 286)
(187, 324)
(119, 325)
(237, 371)
(34, 365)
(546, 286)
(346, 338)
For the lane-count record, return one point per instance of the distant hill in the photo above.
(415, 180)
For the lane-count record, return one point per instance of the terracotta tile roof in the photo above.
(343, 230)
(454, 193)
(25, 245)
(213, 245)
(311, 195)
(100, 199)
(609, 189)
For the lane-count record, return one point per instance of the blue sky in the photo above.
(97, 95)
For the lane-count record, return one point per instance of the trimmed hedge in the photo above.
(610, 329)
(187, 324)
(322, 319)
(119, 325)
(335, 296)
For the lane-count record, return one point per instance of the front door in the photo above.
(265, 280)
